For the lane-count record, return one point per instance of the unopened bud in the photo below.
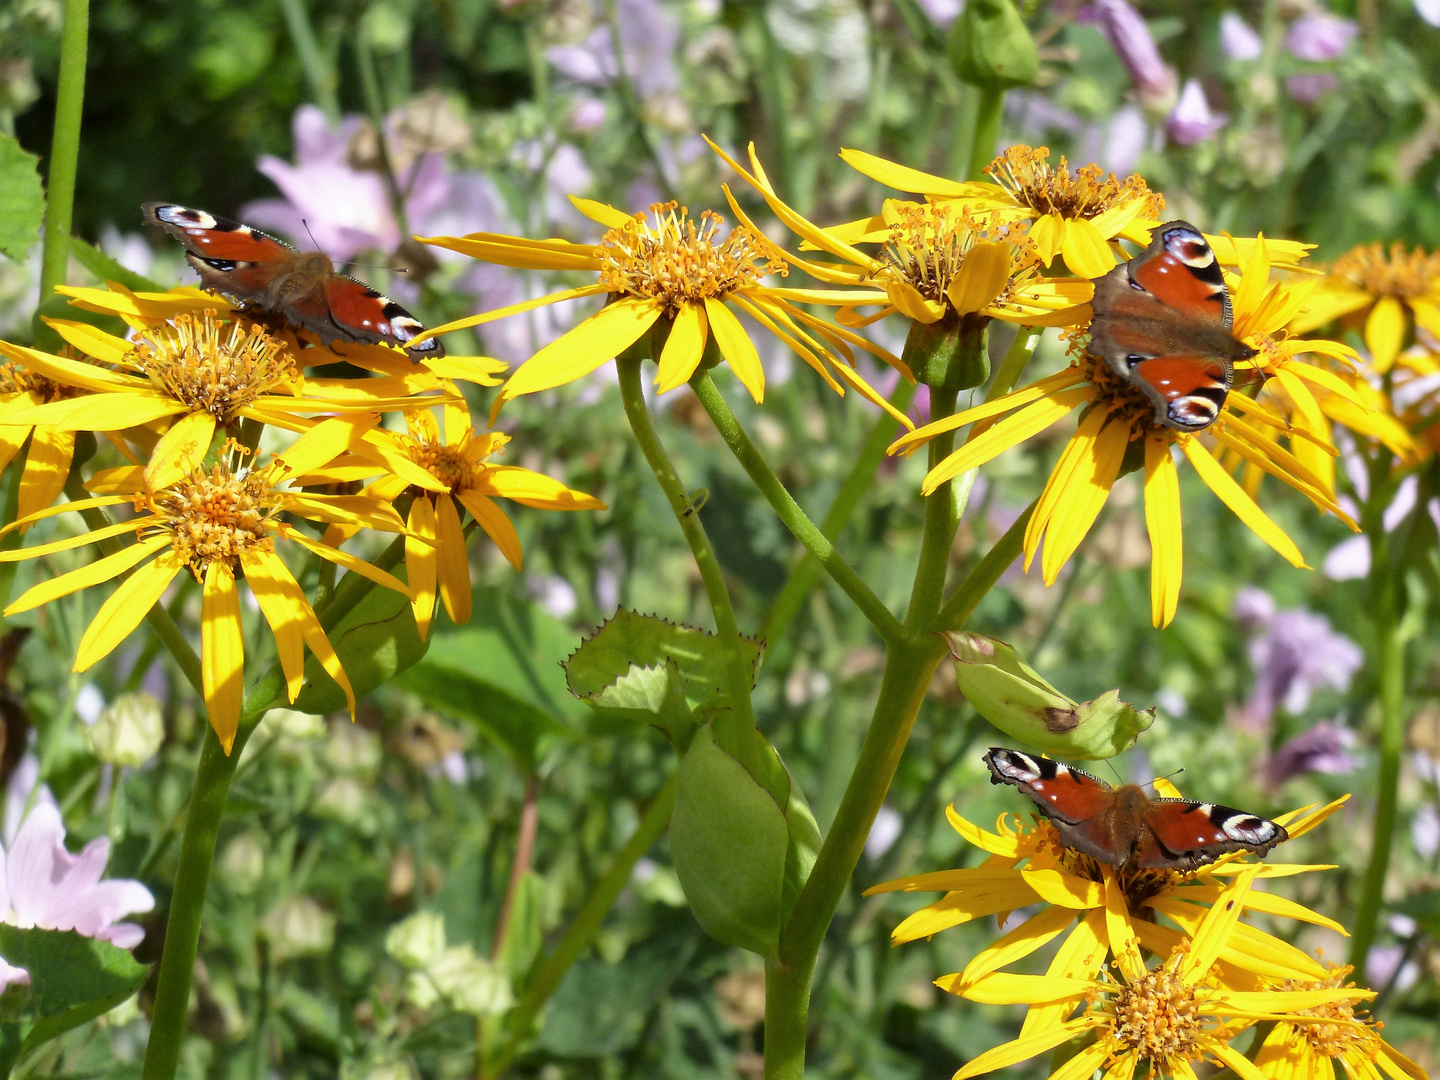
(417, 941)
(128, 731)
(989, 46)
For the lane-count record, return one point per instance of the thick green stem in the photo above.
(942, 517)
(806, 571)
(64, 147)
(789, 512)
(319, 72)
(633, 396)
(982, 579)
(987, 129)
(187, 903)
(545, 976)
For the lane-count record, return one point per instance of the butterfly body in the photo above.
(1125, 826)
(268, 277)
(1163, 323)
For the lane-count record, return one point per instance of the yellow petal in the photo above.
(1009, 432)
(956, 908)
(180, 450)
(1231, 494)
(274, 589)
(1032, 934)
(1012, 1053)
(683, 348)
(1084, 1064)
(47, 466)
(737, 348)
(1047, 232)
(1065, 890)
(1003, 988)
(222, 652)
(994, 843)
(99, 412)
(903, 178)
(420, 562)
(119, 529)
(1086, 253)
(64, 508)
(1046, 387)
(326, 441)
(519, 252)
(1214, 930)
(68, 372)
(910, 303)
(510, 309)
(1081, 955)
(596, 341)
(1326, 303)
(91, 340)
(1239, 1064)
(1385, 332)
(346, 510)
(122, 612)
(972, 880)
(1123, 943)
(481, 370)
(534, 489)
(123, 478)
(1086, 494)
(601, 213)
(1112, 222)
(496, 525)
(1162, 521)
(453, 566)
(982, 275)
(349, 562)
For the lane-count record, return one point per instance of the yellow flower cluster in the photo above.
(1153, 966)
(184, 399)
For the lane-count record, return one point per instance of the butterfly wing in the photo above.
(1180, 834)
(230, 257)
(1080, 806)
(1162, 321)
(359, 313)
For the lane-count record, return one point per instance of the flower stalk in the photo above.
(64, 147)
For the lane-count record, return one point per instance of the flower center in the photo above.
(215, 515)
(15, 379)
(928, 246)
(678, 260)
(1400, 274)
(1128, 404)
(1160, 1018)
(448, 464)
(1340, 1030)
(1084, 193)
(214, 367)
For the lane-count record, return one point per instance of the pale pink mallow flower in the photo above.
(43, 886)
(1238, 40)
(1320, 37)
(1130, 37)
(1191, 121)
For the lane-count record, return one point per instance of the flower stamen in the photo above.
(1084, 193)
(1400, 274)
(215, 515)
(213, 366)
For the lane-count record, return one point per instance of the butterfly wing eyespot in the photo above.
(1182, 834)
(370, 316)
(1188, 391)
(1063, 794)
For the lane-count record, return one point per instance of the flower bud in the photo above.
(466, 982)
(417, 941)
(128, 731)
(242, 863)
(951, 354)
(299, 927)
(989, 46)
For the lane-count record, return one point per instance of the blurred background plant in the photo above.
(367, 917)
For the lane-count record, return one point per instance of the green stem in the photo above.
(318, 71)
(987, 129)
(547, 972)
(982, 579)
(806, 570)
(942, 517)
(1017, 358)
(788, 510)
(64, 147)
(187, 902)
(633, 396)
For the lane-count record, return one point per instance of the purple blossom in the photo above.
(1350, 559)
(43, 885)
(1125, 141)
(944, 12)
(1294, 653)
(587, 115)
(1191, 121)
(649, 35)
(1238, 41)
(1131, 40)
(1325, 748)
(1318, 38)
(1310, 87)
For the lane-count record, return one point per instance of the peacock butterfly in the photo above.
(266, 276)
(1126, 827)
(1162, 322)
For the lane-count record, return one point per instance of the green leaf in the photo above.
(107, 269)
(377, 640)
(22, 198)
(52, 1027)
(729, 842)
(68, 970)
(1011, 695)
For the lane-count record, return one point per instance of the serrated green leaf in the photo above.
(651, 695)
(22, 198)
(68, 970)
(376, 641)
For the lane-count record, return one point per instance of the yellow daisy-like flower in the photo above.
(936, 260)
(1117, 416)
(1171, 1017)
(220, 522)
(1075, 214)
(458, 459)
(1109, 911)
(1332, 1034)
(1377, 287)
(47, 465)
(674, 267)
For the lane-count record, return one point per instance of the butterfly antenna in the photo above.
(310, 234)
(1111, 766)
(1167, 776)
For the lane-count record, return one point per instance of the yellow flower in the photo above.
(458, 460)
(1171, 1017)
(1076, 214)
(1332, 1033)
(937, 259)
(47, 464)
(1109, 911)
(1118, 432)
(219, 522)
(673, 267)
(1368, 283)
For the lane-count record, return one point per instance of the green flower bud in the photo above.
(299, 927)
(128, 731)
(952, 354)
(417, 941)
(1011, 695)
(990, 47)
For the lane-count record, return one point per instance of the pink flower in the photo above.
(1191, 121)
(1310, 87)
(1319, 37)
(1238, 40)
(1131, 40)
(1293, 653)
(1325, 748)
(43, 885)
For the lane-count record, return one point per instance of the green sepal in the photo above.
(990, 47)
(952, 354)
(1011, 695)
